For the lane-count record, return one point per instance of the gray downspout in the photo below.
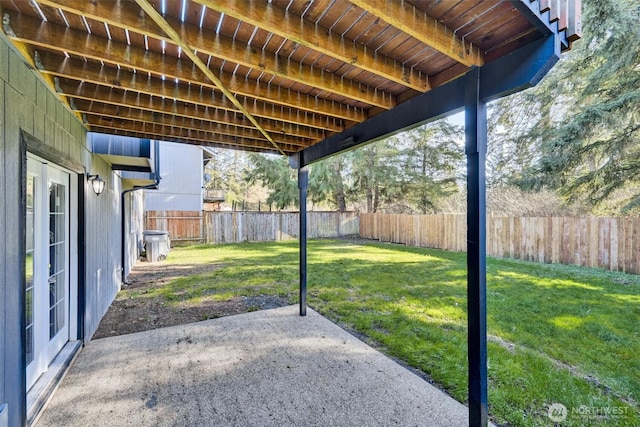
(154, 186)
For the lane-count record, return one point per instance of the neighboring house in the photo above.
(213, 199)
(182, 185)
(62, 257)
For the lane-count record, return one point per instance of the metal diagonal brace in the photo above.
(173, 34)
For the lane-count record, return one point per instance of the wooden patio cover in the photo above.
(303, 78)
(263, 75)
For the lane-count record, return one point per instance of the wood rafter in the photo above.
(27, 52)
(171, 32)
(275, 76)
(145, 116)
(127, 87)
(307, 33)
(136, 104)
(66, 40)
(161, 130)
(424, 28)
(225, 48)
(169, 138)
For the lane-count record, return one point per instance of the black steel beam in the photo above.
(476, 150)
(514, 72)
(519, 70)
(303, 181)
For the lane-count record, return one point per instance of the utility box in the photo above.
(157, 244)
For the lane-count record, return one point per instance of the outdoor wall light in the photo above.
(97, 183)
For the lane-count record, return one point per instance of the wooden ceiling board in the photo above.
(494, 32)
(190, 116)
(141, 116)
(299, 70)
(94, 127)
(471, 14)
(436, 9)
(480, 24)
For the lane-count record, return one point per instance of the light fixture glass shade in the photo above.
(98, 185)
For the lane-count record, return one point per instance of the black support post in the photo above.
(303, 181)
(476, 149)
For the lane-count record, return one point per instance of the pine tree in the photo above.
(376, 174)
(588, 126)
(227, 169)
(432, 164)
(274, 173)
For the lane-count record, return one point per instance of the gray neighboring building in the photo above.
(182, 183)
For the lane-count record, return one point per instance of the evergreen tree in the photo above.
(326, 183)
(376, 174)
(511, 146)
(227, 169)
(274, 173)
(432, 164)
(588, 128)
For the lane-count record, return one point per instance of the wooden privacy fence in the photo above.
(611, 243)
(183, 226)
(235, 227)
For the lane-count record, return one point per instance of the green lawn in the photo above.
(556, 333)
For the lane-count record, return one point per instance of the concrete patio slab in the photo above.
(266, 368)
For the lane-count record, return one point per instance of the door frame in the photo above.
(78, 188)
(47, 347)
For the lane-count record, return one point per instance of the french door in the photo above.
(47, 284)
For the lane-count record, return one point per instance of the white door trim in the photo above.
(45, 349)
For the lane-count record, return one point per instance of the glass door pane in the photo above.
(47, 249)
(29, 268)
(57, 258)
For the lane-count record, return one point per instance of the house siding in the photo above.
(29, 106)
(134, 226)
(180, 188)
(103, 256)
(4, 72)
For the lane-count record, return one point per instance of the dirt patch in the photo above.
(137, 314)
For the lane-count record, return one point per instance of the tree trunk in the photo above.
(376, 198)
(340, 199)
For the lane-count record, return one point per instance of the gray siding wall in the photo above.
(134, 226)
(4, 295)
(103, 247)
(180, 189)
(27, 104)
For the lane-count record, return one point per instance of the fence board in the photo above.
(611, 243)
(233, 227)
(183, 226)
(236, 227)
